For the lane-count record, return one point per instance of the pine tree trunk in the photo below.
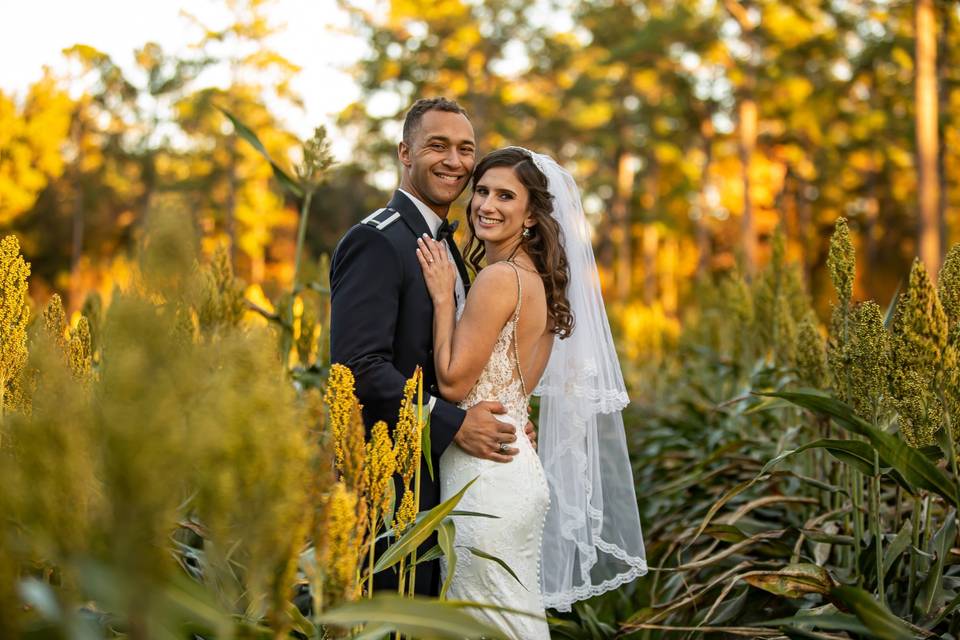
(927, 140)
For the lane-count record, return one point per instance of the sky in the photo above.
(33, 34)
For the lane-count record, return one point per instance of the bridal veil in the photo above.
(592, 540)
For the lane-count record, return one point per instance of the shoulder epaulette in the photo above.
(382, 218)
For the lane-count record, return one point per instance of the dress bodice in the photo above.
(501, 379)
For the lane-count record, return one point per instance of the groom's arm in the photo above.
(366, 279)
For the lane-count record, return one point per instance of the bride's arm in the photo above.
(462, 349)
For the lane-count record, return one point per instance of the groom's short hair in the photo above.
(415, 115)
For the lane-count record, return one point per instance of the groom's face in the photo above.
(439, 159)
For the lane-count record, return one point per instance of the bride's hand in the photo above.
(438, 270)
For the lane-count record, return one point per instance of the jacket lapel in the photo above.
(412, 217)
(409, 213)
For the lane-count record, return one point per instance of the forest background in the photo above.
(694, 127)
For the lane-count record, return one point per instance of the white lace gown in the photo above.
(516, 492)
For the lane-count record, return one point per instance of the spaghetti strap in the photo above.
(515, 321)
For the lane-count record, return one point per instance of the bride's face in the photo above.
(498, 209)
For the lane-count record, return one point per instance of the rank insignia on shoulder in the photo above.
(382, 218)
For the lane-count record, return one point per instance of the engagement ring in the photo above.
(504, 447)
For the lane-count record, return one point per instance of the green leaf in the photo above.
(426, 445)
(829, 621)
(942, 542)
(915, 467)
(415, 617)
(374, 632)
(827, 538)
(899, 544)
(725, 533)
(247, 134)
(446, 535)
(420, 531)
(877, 618)
(486, 556)
(853, 453)
(300, 623)
(431, 555)
(455, 513)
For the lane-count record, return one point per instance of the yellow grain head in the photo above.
(55, 321)
(811, 354)
(14, 315)
(918, 341)
(380, 466)
(406, 435)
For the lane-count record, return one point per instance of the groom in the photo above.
(381, 323)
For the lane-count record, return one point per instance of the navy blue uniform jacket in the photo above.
(381, 327)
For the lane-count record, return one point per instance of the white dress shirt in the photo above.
(434, 221)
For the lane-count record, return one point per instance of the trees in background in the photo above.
(694, 128)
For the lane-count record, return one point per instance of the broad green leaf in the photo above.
(247, 134)
(827, 538)
(725, 533)
(415, 617)
(942, 541)
(899, 544)
(486, 556)
(374, 632)
(299, 622)
(434, 553)
(828, 621)
(877, 618)
(427, 446)
(916, 468)
(854, 453)
(767, 404)
(420, 531)
(446, 535)
(456, 513)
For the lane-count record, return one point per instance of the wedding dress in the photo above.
(516, 492)
(568, 521)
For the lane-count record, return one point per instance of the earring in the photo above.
(526, 232)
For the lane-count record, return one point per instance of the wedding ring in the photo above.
(504, 447)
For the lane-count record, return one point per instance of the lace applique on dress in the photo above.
(516, 492)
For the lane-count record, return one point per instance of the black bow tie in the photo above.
(445, 232)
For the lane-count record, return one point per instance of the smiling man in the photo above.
(381, 313)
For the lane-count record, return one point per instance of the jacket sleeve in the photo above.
(366, 283)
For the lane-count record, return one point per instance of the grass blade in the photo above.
(419, 531)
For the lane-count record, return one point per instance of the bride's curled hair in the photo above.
(543, 245)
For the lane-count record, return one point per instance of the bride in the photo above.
(534, 323)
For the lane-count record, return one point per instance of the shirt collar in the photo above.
(429, 215)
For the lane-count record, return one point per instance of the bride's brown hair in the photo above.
(543, 245)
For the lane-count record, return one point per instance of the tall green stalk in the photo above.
(416, 478)
(914, 557)
(875, 526)
(301, 236)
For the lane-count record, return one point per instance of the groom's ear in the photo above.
(403, 152)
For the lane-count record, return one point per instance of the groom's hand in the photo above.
(531, 434)
(481, 433)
